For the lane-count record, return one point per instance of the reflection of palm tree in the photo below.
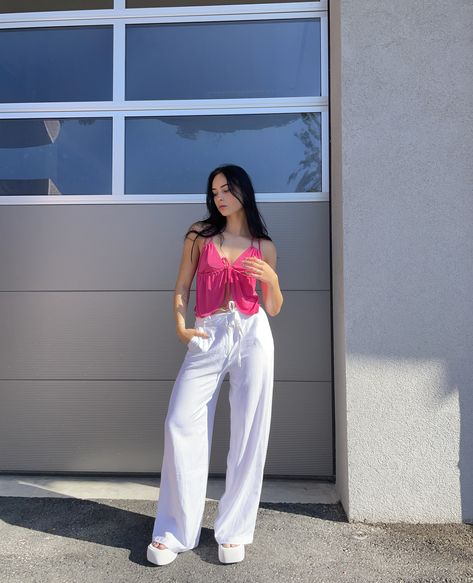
(311, 165)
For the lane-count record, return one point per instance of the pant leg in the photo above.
(187, 444)
(250, 395)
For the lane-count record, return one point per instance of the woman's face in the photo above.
(223, 198)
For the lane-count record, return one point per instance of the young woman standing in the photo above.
(230, 250)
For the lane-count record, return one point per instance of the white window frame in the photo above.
(119, 17)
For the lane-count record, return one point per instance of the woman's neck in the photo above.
(237, 225)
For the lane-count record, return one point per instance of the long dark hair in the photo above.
(240, 185)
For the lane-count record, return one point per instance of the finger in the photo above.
(253, 265)
(254, 274)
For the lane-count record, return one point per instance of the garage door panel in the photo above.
(131, 335)
(138, 247)
(118, 426)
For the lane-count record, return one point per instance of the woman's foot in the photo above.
(159, 554)
(161, 546)
(231, 553)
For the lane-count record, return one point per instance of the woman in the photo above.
(230, 250)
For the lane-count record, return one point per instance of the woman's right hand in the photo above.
(186, 334)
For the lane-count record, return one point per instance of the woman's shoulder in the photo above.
(193, 233)
(267, 245)
(194, 230)
(268, 249)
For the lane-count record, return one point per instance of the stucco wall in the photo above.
(402, 237)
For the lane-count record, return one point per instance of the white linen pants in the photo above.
(242, 345)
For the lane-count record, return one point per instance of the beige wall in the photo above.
(402, 216)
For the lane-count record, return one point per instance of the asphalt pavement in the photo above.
(67, 539)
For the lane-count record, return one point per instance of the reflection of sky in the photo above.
(70, 63)
(210, 60)
(40, 5)
(177, 156)
(78, 162)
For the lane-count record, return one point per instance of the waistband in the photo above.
(221, 316)
(233, 319)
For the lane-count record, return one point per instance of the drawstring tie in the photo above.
(234, 321)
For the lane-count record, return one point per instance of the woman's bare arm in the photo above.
(264, 270)
(187, 269)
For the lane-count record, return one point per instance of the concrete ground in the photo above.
(63, 529)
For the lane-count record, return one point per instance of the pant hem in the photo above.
(172, 548)
(234, 541)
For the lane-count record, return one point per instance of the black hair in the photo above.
(240, 185)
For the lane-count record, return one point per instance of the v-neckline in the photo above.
(225, 259)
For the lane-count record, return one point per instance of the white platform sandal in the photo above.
(231, 554)
(160, 556)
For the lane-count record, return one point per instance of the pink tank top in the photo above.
(215, 273)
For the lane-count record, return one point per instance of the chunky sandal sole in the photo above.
(231, 554)
(160, 556)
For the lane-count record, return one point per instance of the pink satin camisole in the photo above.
(216, 275)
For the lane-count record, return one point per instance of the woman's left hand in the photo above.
(259, 269)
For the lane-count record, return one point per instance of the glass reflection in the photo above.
(71, 63)
(55, 156)
(170, 3)
(172, 155)
(217, 60)
(46, 5)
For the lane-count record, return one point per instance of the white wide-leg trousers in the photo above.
(243, 346)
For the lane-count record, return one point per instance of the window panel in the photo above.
(46, 5)
(56, 64)
(217, 60)
(54, 151)
(173, 155)
(171, 3)
(55, 156)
